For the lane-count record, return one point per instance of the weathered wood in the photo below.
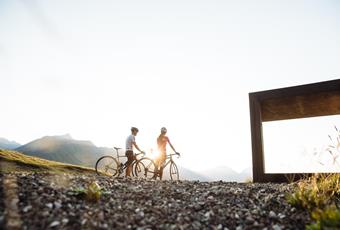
(310, 105)
(257, 140)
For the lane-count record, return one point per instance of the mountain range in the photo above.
(7, 144)
(225, 173)
(65, 149)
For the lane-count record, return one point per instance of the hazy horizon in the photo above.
(94, 69)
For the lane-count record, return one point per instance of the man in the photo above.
(162, 141)
(130, 143)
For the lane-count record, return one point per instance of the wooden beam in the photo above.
(301, 106)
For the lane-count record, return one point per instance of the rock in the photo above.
(27, 208)
(276, 227)
(2, 222)
(57, 205)
(272, 214)
(49, 205)
(54, 224)
(281, 216)
(249, 220)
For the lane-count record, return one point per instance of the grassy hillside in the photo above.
(64, 149)
(14, 161)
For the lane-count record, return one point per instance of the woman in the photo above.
(162, 140)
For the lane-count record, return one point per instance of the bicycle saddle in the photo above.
(116, 148)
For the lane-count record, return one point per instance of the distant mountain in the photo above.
(6, 144)
(64, 149)
(246, 174)
(225, 173)
(185, 174)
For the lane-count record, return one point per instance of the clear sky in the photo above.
(95, 68)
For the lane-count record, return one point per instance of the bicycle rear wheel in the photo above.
(174, 174)
(145, 168)
(107, 165)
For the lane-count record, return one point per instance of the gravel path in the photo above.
(49, 201)
(2, 205)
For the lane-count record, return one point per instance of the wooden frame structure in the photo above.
(311, 100)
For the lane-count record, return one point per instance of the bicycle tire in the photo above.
(145, 168)
(174, 173)
(107, 165)
(133, 171)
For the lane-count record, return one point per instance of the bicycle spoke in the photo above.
(107, 165)
(145, 167)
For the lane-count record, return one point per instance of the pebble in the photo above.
(272, 214)
(54, 224)
(57, 205)
(281, 216)
(276, 227)
(27, 208)
(249, 220)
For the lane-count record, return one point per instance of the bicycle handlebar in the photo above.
(143, 153)
(174, 154)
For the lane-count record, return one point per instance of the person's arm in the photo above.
(171, 145)
(136, 146)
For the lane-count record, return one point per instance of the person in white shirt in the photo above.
(130, 143)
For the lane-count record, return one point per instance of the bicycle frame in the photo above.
(168, 159)
(121, 165)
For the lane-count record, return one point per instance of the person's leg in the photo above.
(130, 158)
(161, 163)
(157, 167)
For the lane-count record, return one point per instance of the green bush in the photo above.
(328, 218)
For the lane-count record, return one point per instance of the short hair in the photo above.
(134, 129)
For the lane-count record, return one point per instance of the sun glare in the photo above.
(153, 154)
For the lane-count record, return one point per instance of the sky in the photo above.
(95, 68)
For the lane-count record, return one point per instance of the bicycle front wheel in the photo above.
(107, 165)
(145, 168)
(174, 174)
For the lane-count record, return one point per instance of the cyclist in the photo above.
(130, 143)
(162, 140)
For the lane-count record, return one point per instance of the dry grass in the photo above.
(320, 193)
(12, 160)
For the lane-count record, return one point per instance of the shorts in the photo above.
(130, 156)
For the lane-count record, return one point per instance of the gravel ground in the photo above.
(49, 201)
(2, 208)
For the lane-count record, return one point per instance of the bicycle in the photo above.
(111, 166)
(147, 167)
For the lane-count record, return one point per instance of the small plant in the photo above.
(317, 191)
(290, 177)
(320, 193)
(248, 180)
(328, 218)
(93, 192)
